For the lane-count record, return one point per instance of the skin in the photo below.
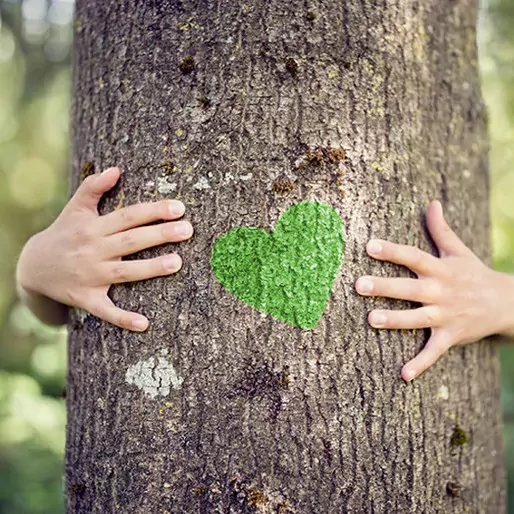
(75, 260)
(461, 299)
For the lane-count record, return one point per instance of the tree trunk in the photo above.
(241, 110)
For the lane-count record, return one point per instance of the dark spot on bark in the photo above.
(92, 323)
(262, 381)
(459, 436)
(292, 66)
(264, 386)
(347, 65)
(283, 186)
(87, 169)
(204, 102)
(77, 488)
(453, 489)
(187, 64)
(311, 16)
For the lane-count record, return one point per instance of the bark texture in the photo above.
(234, 107)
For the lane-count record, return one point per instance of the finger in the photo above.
(104, 309)
(422, 263)
(412, 289)
(132, 271)
(141, 214)
(437, 345)
(93, 187)
(423, 317)
(446, 240)
(136, 239)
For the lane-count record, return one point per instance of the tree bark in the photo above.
(241, 110)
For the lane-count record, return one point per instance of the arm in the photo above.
(76, 260)
(462, 300)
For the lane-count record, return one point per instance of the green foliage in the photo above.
(34, 99)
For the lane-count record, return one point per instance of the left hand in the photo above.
(462, 300)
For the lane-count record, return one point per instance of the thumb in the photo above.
(93, 187)
(446, 240)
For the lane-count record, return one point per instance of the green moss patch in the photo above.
(288, 273)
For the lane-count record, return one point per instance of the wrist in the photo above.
(504, 303)
(45, 308)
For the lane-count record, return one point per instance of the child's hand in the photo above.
(462, 299)
(76, 259)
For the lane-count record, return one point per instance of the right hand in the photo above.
(76, 259)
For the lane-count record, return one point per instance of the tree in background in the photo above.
(241, 111)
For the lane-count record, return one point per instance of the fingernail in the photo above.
(410, 374)
(184, 229)
(172, 262)
(374, 247)
(378, 319)
(140, 324)
(108, 170)
(364, 285)
(176, 208)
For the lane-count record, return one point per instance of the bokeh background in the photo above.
(35, 71)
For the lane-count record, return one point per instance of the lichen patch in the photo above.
(155, 376)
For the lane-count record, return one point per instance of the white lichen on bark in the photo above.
(155, 376)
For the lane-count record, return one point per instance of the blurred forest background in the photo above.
(35, 44)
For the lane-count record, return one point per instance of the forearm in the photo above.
(504, 307)
(47, 310)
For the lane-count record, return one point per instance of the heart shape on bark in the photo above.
(288, 273)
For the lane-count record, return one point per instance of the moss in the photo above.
(453, 489)
(204, 102)
(459, 436)
(284, 508)
(377, 166)
(336, 154)
(256, 498)
(283, 186)
(319, 155)
(121, 197)
(292, 66)
(200, 490)
(314, 156)
(87, 169)
(187, 64)
(168, 166)
(310, 15)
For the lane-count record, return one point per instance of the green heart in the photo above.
(288, 273)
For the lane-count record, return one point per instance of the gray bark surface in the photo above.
(219, 408)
